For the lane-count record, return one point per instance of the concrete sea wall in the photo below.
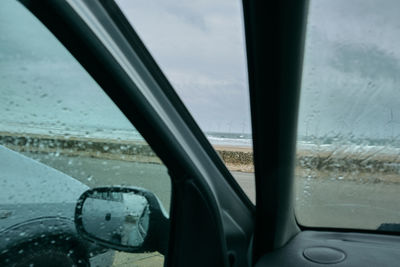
(350, 163)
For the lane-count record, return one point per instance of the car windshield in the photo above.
(348, 169)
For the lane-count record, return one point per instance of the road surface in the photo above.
(319, 202)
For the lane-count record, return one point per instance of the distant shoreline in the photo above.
(353, 163)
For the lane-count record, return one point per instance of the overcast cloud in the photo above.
(200, 47)
(350, 85)
(350, 79)
(351, 70)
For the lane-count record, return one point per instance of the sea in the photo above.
(230, 139)
(243, 140)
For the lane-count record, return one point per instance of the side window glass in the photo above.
(200, 47)
(348, 131)
(60, 135)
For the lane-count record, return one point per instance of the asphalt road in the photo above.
(319, 202)
(339, 203)
(99, 172)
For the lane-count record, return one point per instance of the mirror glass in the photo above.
(120, 218)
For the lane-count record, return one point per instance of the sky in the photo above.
(43, 89)
(350, 85)
(200, 47)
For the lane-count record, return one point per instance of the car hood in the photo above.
(30, 189)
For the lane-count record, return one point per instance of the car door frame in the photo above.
(212, 220)
(275, 32)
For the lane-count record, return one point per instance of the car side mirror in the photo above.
(123, 218)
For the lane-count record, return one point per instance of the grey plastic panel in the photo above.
(359, 250)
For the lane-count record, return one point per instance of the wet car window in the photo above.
(347, 169)
(60, 135)
(200, 47)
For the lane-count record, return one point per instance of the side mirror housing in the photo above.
(127, 219)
